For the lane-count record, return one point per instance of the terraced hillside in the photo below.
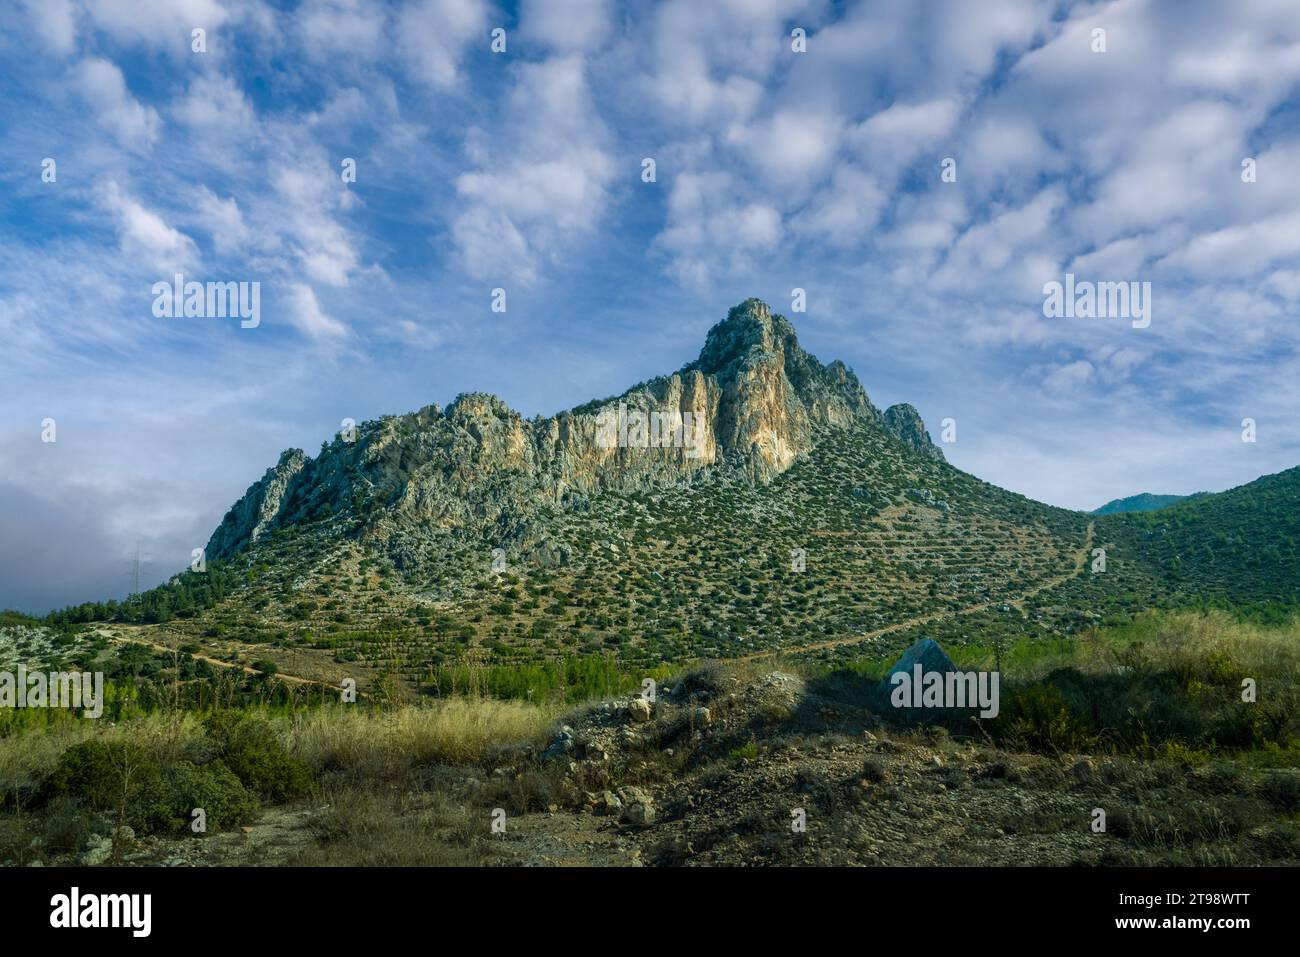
(1233, 549)
(693, 572)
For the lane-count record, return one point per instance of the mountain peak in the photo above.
(751, 330)
(752, 403)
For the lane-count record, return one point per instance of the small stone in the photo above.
(638, 709)
(639, 815)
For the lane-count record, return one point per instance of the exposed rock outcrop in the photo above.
(752, 403)
(904, 423)
(259, 507)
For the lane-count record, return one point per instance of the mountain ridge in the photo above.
(479, 464)
(804, 520)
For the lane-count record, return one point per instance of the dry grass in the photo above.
(370, 828)
(455, 730)
(1167, 641)
(27, 757)
(1191, 642)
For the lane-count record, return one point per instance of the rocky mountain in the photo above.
(752, 403)
(754, 501)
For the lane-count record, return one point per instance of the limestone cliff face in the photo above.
(752, 403)
(259, 507)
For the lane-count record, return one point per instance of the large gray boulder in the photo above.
(927, 654)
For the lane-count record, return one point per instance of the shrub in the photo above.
(106, 776)
(1282, 789)
(68, 825)
(250, 748)
(1039, 718)
(169, 804)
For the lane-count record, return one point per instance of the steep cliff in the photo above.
(751, 404)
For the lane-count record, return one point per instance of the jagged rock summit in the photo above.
(751, 404)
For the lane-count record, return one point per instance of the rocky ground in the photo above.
(739, 768)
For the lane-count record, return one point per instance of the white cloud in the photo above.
(102, 86)
(790, 147)
(1068, 378)
(712, 230)
(545, 186)
(350, 28)
(222, 220)
(569, 26)
(434, 35)
(845, 212)
(165, 24)
(305, 313)
(214, 105)
(145, 235)
(905, 129)
(301, 212)
(55, 21)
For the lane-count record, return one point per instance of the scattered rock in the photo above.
(98, 850)
(639, 710)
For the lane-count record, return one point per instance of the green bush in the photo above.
(168, 805)
(67, 825)
(1039, 718)
(1282, 789)
(249, 747)
(105, 776)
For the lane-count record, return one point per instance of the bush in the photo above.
(1282, 789)
(1040, 719)
(169, 803)
(67, 827)
(249, 747)
(106, 776)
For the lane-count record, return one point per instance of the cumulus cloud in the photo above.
(433, 37)
(569, 26)
(712, 230)
(162, 24)
(545, 185)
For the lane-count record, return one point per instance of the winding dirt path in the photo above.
(135, 638)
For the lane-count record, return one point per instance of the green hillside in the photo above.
(1145, 502)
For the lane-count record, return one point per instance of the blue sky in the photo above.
(522, 170)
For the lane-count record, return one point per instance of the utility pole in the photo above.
(135, 570)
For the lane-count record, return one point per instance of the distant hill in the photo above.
(1145, 502)
(1238, 548)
